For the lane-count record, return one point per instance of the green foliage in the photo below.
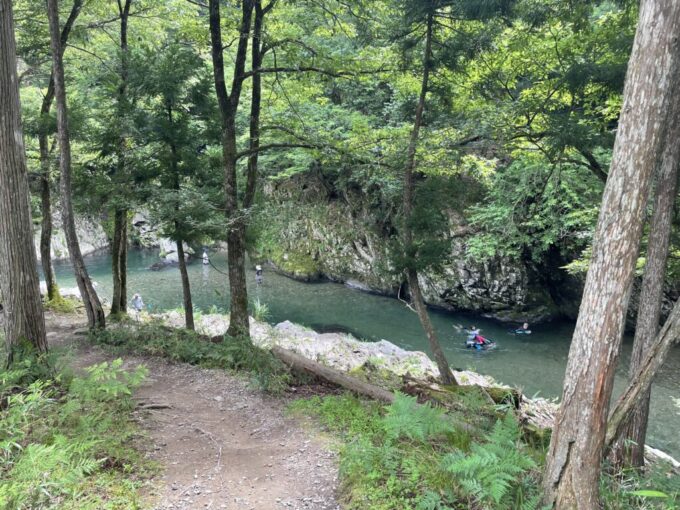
(260, 310)
(406, 418)
(230, 353)
(492, 473)
(656, 488)
(406, 455)
(533, 206)
(69, 445)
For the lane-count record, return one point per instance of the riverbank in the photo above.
(345, 353)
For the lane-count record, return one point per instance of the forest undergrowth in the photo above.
(70, 441)
(412, 457)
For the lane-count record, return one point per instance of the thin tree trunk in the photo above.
(572, 471)
(120, 238)
(93, 307)
(228, 103)
(409, 188)
(19, 280)
(119, 262)
(641, 382)
(186, 287)
(255, 107)
(629, 448)
(45, 191)
(46, 222)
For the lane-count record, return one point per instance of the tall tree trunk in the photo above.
(45, 191)
(93, 307)
(407, 234)
(119, 243)
(255, 106)
(228, 103)
(46, 222)
(19, 281)
(572, 470)
(186, 287)
(629, 449)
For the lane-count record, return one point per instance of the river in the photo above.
(535, 363)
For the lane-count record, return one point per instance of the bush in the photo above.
(233, 353)
(68, 443)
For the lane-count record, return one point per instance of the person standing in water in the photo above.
(259, 276)
(206, 259)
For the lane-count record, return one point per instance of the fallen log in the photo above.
(303, 364)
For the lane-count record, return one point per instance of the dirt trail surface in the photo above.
(220, 443)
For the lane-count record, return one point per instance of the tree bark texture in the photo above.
(19, 281)
(186, 287)
(45, 166)
(119, 245)
(358, 386)
(228, 104)
(93, 307)
(629, 448)
(407, 234)
(572, 471)
(639, 385)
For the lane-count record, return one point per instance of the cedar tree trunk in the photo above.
(572, 471)
(24, 320)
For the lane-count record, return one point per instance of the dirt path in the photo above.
(221, 444)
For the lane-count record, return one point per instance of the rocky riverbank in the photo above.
(346, 353)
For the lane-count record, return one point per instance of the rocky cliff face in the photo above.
(90, 234)
(312, 235)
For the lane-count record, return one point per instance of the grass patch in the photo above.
(233, 353)
(62, 305)
(67, 442)
(407, 456)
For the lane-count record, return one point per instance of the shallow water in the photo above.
(533, 362)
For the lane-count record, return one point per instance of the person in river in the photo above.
(137, 304)
(259, 277)
(472, 334)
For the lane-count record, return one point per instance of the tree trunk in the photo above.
(120, 238)
(630, 447)
(407, 234)
(303, 364)
(119, 262)
(24, 320)
(46, 222)
(255, 106)
(95, 313)
(572, 469)
(45, 192)
(228, 103)
(641, 382)
(186, 287)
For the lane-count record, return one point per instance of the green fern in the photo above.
(492, 471)
(406, 418)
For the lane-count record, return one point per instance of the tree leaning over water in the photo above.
(93, 307)
(573, 464)
(19, 282)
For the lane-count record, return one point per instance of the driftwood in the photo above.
(301, 363)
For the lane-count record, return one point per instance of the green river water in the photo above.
(535, 362)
